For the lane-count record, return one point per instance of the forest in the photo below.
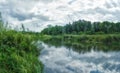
(83, 27)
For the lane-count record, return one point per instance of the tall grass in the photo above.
(17, 53)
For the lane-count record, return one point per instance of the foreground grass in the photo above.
(18, 54)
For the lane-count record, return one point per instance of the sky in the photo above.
(38, 14)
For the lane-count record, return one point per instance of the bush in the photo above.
(18, 54)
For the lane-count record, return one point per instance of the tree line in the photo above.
(82, 26)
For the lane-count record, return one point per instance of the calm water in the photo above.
(64, 59)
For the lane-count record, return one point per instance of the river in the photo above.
(65, 59)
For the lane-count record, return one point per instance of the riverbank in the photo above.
(18, 54)
(104, 42)
(97, 38)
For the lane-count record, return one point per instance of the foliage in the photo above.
(84, 43)
(83, 38)
(83, 47)
(84, 27)
(17, 53)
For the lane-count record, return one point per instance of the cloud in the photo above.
(40, 13)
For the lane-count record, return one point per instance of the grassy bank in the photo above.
(98, 38)
(84, 43)
(18, 54)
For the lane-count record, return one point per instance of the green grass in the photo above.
(84, 43)
(103, 38)
(18, 54)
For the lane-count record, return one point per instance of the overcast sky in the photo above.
(37, 14)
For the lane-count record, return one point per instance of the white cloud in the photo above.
(37, 14)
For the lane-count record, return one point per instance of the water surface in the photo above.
(64, 59)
